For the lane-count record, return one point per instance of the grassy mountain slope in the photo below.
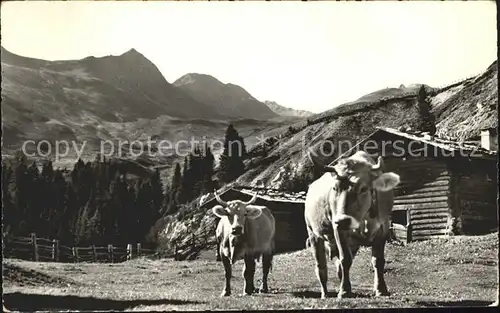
(462, 111)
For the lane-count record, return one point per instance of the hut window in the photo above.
(399, 217)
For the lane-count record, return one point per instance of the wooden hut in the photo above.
(287, 208)
(446, 187)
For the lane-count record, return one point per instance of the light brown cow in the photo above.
(245, 231)
(349, 206)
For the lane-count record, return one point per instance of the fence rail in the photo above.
(43, 249)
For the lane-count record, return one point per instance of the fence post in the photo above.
(94, 252)
(129, 251)
(175, 250)
(408, 226)
(110, 254)
(55, 250)
(35, 246)
(75, 254)
(138, 249)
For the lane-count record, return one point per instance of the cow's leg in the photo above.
(378, 263)
(345, 267)
(267, 259)
(354, 251)
(319, 252)
(228, 273)
(248, 275)
(217, 252)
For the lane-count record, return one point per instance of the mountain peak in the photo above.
(198, 78)
(285, 111)
(131, 51)
(228, 99)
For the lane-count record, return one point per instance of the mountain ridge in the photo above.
(286, 111)
(229, 98)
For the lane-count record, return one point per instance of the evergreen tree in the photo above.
(208, 171)
(427, 119)
(157, 193)
(231, 159)
(172, 194)
(21, 192)
(10, 217)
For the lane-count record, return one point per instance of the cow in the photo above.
(347, 207)
(245, 231)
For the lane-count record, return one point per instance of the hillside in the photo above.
(228, 99)
(285, 111)
(466, 108)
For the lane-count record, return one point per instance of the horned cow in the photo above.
(349, 206)
(245, 231)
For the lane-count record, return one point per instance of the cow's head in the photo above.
(353, 181)
(237, 212)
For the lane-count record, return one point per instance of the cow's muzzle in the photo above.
(237, 230)
(345, 222)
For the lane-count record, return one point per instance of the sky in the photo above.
(304, 55)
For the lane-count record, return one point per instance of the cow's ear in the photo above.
(253, 211)
(219, 211)
(386, 181)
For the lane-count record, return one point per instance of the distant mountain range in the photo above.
(118, 97)
(284, 111)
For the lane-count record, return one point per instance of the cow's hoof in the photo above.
(323, 295)
(263, 290)
(225, 294)
(381, 293)
(344, 294)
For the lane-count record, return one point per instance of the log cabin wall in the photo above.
(424, 191)
(425, 185)
(475, 192)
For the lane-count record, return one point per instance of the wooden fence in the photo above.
(42, 249)
(190, 247)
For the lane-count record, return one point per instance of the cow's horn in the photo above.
(222, 202)
(379, 165)
(322, 167)
(252, 200)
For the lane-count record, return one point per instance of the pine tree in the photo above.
(208, 170)
(231, 160)
(35, 201)
(184, 192)
(157, 194)
(173, 192)
(427, 119)
(21, 192)
(10, 217)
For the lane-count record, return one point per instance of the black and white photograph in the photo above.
(249, 155)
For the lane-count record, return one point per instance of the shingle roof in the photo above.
(445, 144)
(273, 194)
(267, 194)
